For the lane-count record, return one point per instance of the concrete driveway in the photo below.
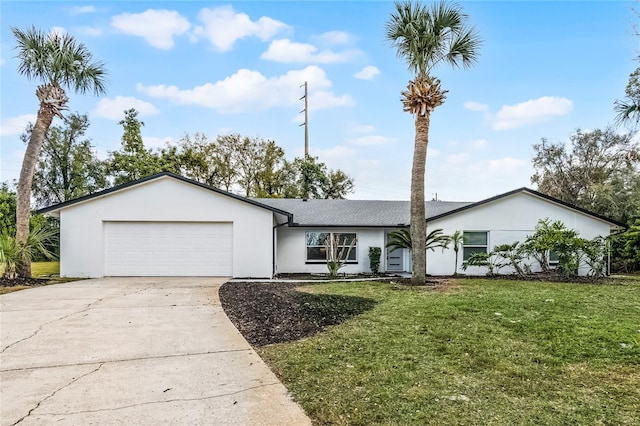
(132, 351)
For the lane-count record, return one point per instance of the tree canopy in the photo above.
(133, 161)
(68, 166)
(628, 108)
(254, 167)
(598, 170)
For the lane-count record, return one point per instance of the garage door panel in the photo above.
(168, 249)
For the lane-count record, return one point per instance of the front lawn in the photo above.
(477, 352)
(44, 269)
(44, 273)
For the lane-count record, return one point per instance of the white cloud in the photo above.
(370, 140)
(334, 37)
(157, 27)
(57, 31)
(433, 153)
(91, 31)
(360, 128)
(479, 143)
(113, 109)
(287, 51)
(531, 111)
(334, 154)
(457, 159)
(16, 125)
(155, 142)
(249, 90)
(223, 26)
(506, 166)
(80, 10)
(367, 73)
(475, 106)
(323, 99)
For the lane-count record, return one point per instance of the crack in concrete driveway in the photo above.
(56, 391)
(132, 351)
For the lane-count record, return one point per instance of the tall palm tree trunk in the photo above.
(418, 218)
(23, 196)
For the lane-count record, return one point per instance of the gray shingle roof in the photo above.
(354, 212)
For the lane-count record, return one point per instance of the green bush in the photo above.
(12, 253)
(374, 259)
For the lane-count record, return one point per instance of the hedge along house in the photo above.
(167, 225)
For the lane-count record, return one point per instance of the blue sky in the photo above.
(545, 69)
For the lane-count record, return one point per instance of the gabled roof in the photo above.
(334, 213)
(536, 194)
(60, 206)
(355, 213)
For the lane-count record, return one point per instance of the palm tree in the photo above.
(457, 239)
(424, 37)
(628, 109)
(57, 62)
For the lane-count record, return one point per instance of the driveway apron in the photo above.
(132, 351)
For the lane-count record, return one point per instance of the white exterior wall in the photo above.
(292, 250)
(165, 199)
(508, 220)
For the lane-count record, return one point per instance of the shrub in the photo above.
(12, 253)
(374, 259)
(337, 253)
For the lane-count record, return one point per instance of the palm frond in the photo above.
(436, 239)
(427, 36)
(401, 239)
(627, 112)
(59, 60)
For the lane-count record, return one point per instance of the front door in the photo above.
(395, 260)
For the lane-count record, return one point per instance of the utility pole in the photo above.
(306, 119)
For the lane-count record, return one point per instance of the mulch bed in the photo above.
(4, 282)
(275, 312)
(267, 313)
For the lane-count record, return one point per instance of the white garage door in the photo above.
(168, 249)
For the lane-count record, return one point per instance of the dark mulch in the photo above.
(267, 313)
(4, 282)
(341, 276)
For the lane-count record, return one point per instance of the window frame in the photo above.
(465, 245)
(331, 234)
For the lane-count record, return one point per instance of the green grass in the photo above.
(45, 269)
(49, 270)
(481, 352)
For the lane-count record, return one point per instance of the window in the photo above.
(474, 242)
(554, 259)
(316, 251)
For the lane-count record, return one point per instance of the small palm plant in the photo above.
(12, 253)
(457, 240)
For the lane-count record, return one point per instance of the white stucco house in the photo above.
(167, 225)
